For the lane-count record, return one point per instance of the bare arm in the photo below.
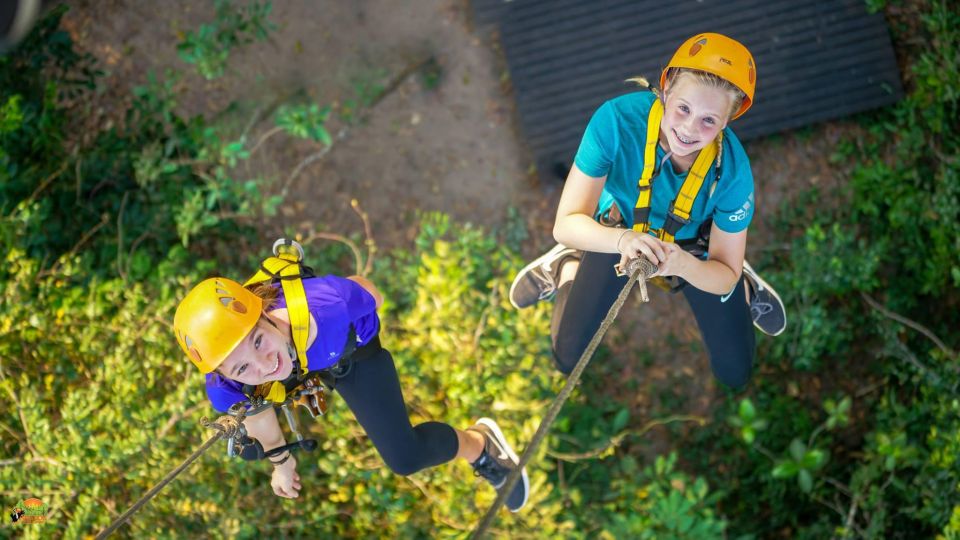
(720, 273)
(370, 287)
(574, 225)
(576, 228)
(265, 427)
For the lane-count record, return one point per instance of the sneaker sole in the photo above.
(513, 456)
(536, 262)
(771, 290)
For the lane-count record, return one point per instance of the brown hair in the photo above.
(269, 296)
(266, 292)
(702, 77)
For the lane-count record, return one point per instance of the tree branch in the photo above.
(264, 137)
(368, 236)
(53, 269)
(907, 322)
(46, 182)
(618, 438)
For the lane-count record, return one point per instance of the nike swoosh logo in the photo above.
(724, 298)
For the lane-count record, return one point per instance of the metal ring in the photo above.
(281, 242)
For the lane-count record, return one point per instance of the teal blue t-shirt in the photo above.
(612, 146)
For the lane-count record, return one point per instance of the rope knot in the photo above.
(227, 425)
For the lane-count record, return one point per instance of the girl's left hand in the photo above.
(676, 263)
(285, 481)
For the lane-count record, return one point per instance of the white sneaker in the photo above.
(766, 308)
(538, 280)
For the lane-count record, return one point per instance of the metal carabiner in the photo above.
(283, 246)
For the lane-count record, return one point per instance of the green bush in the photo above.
(871, 284)
(851, 427)
(104, 233)
(208, 48)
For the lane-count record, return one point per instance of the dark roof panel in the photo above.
(816, 61)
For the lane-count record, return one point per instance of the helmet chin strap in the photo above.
(296, 361)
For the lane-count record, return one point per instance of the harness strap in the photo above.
(641, 213)
(678, 213)
(288, 272)
(286, 266)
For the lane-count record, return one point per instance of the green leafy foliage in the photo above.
(747, 422)
(305, 121)
(101, 404)
(851, 430)
(208, 48)
(871, 290)
(667, 504)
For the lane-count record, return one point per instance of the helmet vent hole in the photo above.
(225, 300)
(697, 46)
(238, 307)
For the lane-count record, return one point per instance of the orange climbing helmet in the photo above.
(213, 319)
(724, 57)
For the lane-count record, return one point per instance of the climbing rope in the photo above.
(635, 268)
(226, 426)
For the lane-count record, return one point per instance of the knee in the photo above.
(736, 375)
(562, 362)
(735, 381)
(402, 465)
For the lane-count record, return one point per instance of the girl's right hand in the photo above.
(285, 480)
(632, 244)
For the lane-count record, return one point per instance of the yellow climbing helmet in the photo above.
(213, 319)
(724, 57)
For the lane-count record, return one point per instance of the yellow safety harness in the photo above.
(678, 214)
(286, 266)
(303, 387)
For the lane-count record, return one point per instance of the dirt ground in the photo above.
(452, 146)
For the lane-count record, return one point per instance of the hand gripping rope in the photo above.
(637, 268)
(226, 426)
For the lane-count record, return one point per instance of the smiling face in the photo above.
(693, 115)
(264, 355)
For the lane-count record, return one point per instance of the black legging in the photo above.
(726, 327)
(372, 391)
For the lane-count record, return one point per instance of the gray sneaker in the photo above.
(538, 280)
(497, 460)
(766, 308)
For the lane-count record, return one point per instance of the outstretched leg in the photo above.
(372, 391)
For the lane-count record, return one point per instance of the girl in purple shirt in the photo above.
(237, 336)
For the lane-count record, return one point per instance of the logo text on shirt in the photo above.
(741, 214)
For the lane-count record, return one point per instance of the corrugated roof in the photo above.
(816, 61)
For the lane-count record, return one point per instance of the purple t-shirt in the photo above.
(334, 302)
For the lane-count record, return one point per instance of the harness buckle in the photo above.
(673, 223)
(312, 396)
(640, 215)
(672, 214)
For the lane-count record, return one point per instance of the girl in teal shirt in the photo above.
(622, 200)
